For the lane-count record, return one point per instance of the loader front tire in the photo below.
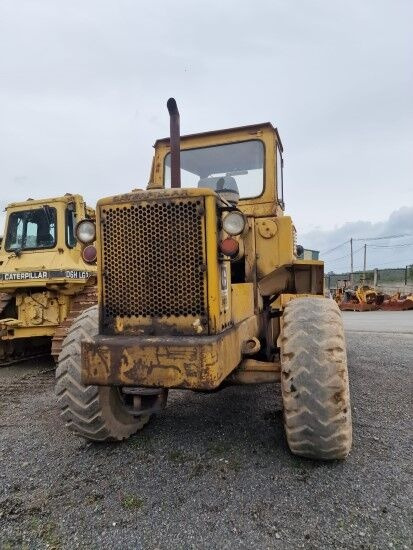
(97, 413)
(314, 379)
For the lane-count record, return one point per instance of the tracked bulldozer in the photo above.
(361, 298)
(200, 287)
(47, 274)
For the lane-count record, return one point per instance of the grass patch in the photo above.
(93, 498)
(199, 469)
(141, 441)
(179, 457)
(15, 544)
(132, 502)
(47, 532)
(218, 448)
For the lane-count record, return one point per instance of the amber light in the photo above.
(89, 254)
(229, 247)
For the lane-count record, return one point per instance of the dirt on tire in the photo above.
(93, 412)
(314, 380)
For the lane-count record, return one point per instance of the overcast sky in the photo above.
(84, 85)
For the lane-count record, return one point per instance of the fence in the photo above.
(390, 280)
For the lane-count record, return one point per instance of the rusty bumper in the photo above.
(192, 362)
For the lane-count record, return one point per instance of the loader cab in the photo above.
(242, 165)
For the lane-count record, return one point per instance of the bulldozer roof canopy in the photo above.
(68, 197)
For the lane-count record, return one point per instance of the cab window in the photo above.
(70, 225)
(235, 167)
(280, 180)
(31, 229)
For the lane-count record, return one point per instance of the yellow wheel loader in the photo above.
(47, 274)
(200, 287)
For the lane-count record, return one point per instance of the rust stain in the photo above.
(338, 397)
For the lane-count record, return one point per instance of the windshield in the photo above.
(234, 166)
(31, 229)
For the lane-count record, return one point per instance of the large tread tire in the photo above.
(314, 379)
(96, 413)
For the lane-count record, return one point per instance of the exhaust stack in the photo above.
(175, 141)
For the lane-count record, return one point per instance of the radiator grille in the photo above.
(153, 259)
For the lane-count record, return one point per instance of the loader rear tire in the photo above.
(314, 379)
(97, 413)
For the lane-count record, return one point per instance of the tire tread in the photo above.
(314, 380)
(83, 408)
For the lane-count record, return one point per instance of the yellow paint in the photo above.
(242, 299)
(213, 271)
(42, 304)
(170, 362)
(180, 350)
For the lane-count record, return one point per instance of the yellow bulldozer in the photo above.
(47, 274)
(362, 298)
(200, 287)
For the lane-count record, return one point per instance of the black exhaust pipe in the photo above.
(175, 141)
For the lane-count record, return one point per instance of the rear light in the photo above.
(229, 247)
(89, 254)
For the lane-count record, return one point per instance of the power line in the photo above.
(335, 248)
(385, 237)
(401, 235)
(346, 256)
(389, 245)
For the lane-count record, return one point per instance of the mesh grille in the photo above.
(153, 260)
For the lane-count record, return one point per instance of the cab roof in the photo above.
(68, 197)
(253, 128)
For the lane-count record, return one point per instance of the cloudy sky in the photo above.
(84, 85)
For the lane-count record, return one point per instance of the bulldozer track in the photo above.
(84, 300)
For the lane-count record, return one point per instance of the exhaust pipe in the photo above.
(175, 141)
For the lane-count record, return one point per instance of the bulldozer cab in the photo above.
(46, 273)
(32, 229)
(39, 241)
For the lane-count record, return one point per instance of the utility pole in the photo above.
(351, 254)
(365, 255)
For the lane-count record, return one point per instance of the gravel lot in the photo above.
(212, 471)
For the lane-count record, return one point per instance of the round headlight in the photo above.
(86, 231)
(234, 223)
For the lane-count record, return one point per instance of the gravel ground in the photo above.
(212, 471)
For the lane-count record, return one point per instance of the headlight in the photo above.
(86, 231)
(234, 223)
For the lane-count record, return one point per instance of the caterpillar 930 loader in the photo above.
(47, 274)
(200, 287)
